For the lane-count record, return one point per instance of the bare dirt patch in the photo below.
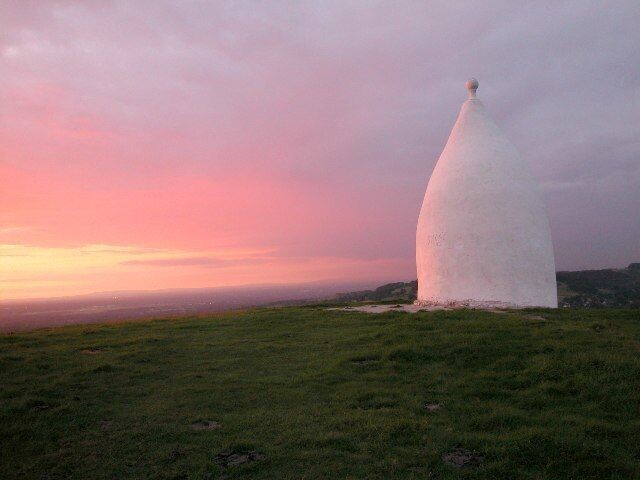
(205, 425)
(41, 405)
(432, 407)
(463, 458)
(176, 453)
(535, 321)
(91, 351)
(106, 368)
(375, 402)
(106, 425)
(410, 308)
(365, 360)
(239, 457)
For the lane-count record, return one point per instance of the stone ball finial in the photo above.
(472, 86)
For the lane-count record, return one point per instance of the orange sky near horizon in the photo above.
(176, 232)
(37, 272)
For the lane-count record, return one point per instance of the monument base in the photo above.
(480, 304)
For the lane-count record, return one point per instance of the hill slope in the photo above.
(601, 288)
(306, 392)
(618, 288)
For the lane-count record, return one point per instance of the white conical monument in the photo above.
(483, 235)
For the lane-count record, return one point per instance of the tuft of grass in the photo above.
(539, 394)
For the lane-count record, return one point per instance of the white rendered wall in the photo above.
(483, 235)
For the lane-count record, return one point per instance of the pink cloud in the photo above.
(209, 262)
(304, 129)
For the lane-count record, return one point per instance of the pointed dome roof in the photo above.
(483, 235)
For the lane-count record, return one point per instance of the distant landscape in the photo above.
(619, 288)
(118, 306)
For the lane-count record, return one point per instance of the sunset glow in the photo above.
(148, 146)
(58, 271)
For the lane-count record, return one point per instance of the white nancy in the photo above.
(483, 236)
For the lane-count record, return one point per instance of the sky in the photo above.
(162, 144)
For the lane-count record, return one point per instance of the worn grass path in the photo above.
(326, 395)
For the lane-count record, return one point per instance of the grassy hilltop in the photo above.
(302, 392)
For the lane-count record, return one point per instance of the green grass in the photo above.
(326, 395)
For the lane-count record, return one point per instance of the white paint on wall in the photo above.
(483, 234)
